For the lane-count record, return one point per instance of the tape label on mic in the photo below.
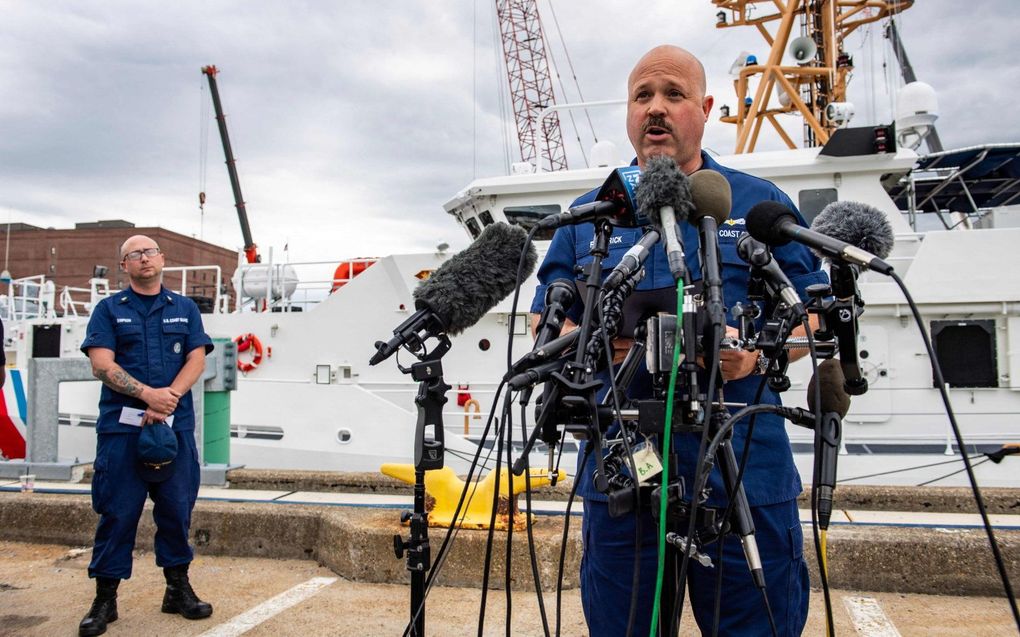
(647, 462)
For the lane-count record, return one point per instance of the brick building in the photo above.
(68, 257)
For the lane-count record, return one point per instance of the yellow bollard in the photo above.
(443, 488)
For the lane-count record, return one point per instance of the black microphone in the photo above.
(463, 289)
(712, 197)
(614, 202)
(757, 254)
(834, 405)
(777, 225)
(664, 196)
(559, 296)
(632, 260)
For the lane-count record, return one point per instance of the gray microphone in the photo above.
(664, 195)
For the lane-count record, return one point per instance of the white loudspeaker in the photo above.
(803, 49)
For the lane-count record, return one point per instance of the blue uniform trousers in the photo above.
(607, 575)
(118, 495)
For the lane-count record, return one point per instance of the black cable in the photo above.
(539, 589)
(816, 479)
(636, 572)
(717, 605)
(728, 511)
(699, 467)
(454, 529)
(949, 475)
(563, 543)
(903, 470)
(508, 427)
(487, 563)
(940, 381)
(768, 612)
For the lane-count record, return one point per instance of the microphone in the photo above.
(711, 196)
(664, 196)
(614, 202)
(559, 296)
(776, 225)
(758, 255)
(632, 260)
(463, 289)
(834, 405)
(858, 224)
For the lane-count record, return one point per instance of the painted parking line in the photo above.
(251, 618)
(868, 618)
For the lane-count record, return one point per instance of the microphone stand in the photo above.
(837, 318)
(428, 455)
(575, 386)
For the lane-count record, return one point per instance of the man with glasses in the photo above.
(148, 347)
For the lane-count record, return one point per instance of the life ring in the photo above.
(347, 271)
(244, 343)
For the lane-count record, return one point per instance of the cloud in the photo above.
(352, 123)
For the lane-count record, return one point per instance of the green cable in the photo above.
(668, 425)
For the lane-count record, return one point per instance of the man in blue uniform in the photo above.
(666, 114)
(147, 346)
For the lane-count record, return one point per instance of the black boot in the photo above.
(104, 608)
(179, 596)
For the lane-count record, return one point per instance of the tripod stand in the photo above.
(428, 454)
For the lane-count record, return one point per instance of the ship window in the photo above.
(811, 202)
(473, 228)
(527, 216)
(486, 218)
(966, 352)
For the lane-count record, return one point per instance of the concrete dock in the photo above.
(322, 561)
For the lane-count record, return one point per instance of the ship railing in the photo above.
(217, 302)
(315, 282)
(29, 298)
(99, 289)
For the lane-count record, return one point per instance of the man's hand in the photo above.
(734, 363)
(162, 400)
(151, 416)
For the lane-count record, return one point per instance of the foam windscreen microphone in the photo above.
(463, 289)
(829, 379)
(858, 224)
(775, 224)
(664, 196)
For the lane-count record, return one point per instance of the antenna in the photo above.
(817, 80)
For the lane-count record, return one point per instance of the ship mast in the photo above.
(816, 86)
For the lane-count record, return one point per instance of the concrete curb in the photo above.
(357, 544)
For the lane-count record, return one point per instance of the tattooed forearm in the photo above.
(119, 381)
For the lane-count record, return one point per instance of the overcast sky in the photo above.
(353, 122)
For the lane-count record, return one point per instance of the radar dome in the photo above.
(916, 111)
(604, 153)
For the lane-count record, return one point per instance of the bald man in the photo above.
(148, 347)
(667, 109)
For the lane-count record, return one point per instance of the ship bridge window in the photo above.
(485, 217)
(528, 216)
(811, 202)
(473, 227)
(966, 352)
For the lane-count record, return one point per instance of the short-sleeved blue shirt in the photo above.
(149, 344)
(770, 476)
